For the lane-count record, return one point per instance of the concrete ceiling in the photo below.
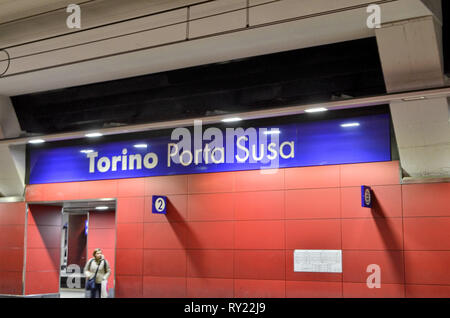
(136, 38)
(12, 10)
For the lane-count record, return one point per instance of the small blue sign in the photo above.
(303, 144)
(366, 197)
(159, 205)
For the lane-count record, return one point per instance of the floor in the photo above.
(72, 293)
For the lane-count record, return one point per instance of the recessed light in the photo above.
(93, 135)
(101, 208)
(36, 141)
(87, 151)
(409, 99)
(140, 146)
(231, 120)
(272, 132)
(350, 125)
(316, 110)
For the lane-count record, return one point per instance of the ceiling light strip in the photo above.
(259, 114)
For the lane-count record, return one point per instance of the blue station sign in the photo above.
(327, 142)
(159, 204)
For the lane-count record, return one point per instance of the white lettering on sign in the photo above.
(318, 261)
(123, 162)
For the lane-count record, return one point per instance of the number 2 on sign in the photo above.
(160, 205)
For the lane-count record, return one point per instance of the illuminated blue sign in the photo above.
(328, 142)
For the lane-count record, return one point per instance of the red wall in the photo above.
(43, 249)
(12, 233)
(102, 234)
(233, 234)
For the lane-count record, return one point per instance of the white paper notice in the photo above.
(318, 261)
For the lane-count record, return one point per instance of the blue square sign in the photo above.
(159, 205)
(366, 197)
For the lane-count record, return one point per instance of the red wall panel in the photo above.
(310, 203)
(427, 267)
(166, 185)
(129, 261)
(62, 191)
(245, 288)
(430, 233)
(130, 235)
(210, 263)
(259, 264)
(43, 259)
(43, 236)
(163, 235)
(261, 205)
(98, 189)
(299, 289)
(128, 286)
(34, 192)
(211, 182)
(131, 210)
(360, 290)
(131, 187)
(11, 259)
(427, 291)
(372, 234)
(377, 173)
(168, 263)
(313, 234)
(211, 207)
(259, 180)
(12, 233)
(11, 236)
(101, 238)
(426, 199)
(312, 177)
(210, 288)
(43, 249)
(11, 282)
(259, 234)
(12, 213)
(164, 287)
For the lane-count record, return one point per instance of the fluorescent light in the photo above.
(36, 141)
(408, 99)
(350, 125)
(231, 120)
(141, 146)
(87, 151)
(316, 110)
(93, 135)
(272, 132)
(101, 208)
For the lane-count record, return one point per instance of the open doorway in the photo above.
(60, 239)
(86, 225)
